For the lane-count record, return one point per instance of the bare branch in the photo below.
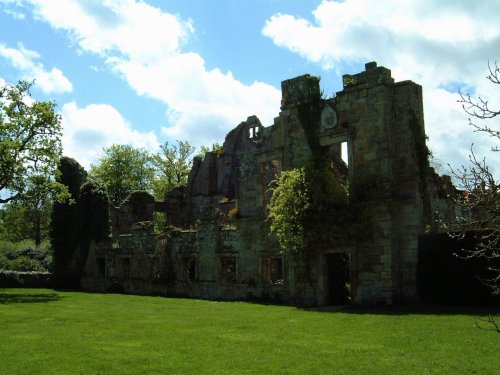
(489, 324)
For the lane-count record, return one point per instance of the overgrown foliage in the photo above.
(309, 206)
(287, 210)
(75, 223)
(93, 212)
(30, 142)
(308, 209)
(64, 232)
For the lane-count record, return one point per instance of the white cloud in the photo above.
(87, 130)
(203, 105)
(433, 43)
(53, 81)
(15, 15)
(144, 45)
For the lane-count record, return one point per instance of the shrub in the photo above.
(444, 276)
(9, 279)
(28, 259)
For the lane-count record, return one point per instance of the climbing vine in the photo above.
(308, 210)
(287, 210)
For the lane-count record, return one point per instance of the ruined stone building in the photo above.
(218, 245)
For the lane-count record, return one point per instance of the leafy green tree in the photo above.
(172, 165)
(30, 141)
(29, 218)
(204, 149)
(3, 229)
(123, 169)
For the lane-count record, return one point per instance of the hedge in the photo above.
(444, 276)
(12, 279)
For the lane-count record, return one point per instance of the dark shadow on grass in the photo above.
(409, 310)
(11, 298)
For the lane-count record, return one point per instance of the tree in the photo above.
(172, 166)
(3, 229)
(216, 147)
(29, 218)
(123, 169)
(30, 140)
(480, 199)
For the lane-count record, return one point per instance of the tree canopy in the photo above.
(172, 165)
(29, 217)
(30, 140)
(123, 169)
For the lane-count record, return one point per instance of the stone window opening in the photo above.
(126, 268)
(101, 267)
(254, 133)
(269, 170)
(227, 272)
(154, 268)
(188, 268)
(344, 153)
(339, 162)
(272, 270)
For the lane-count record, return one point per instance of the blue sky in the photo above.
(146, 72)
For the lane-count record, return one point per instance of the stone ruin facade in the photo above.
(217, 244)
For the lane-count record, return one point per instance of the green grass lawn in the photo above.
(44, 331)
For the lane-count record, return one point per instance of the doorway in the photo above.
(338, 278)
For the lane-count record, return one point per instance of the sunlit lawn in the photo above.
(50, 332)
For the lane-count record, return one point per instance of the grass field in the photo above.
(44, 331)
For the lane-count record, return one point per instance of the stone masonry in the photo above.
(217, 244)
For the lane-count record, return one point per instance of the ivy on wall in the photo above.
(64, 232)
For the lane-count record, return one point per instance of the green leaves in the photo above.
(172, 165)
(123, 169)
(30, 139)
(308, 209)
(287, 209)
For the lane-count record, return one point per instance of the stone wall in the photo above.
(218, 244)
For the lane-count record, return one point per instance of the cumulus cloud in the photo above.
(15, 15)
(437, 44)
(24, 60)
(87, 130)
(144, 45)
